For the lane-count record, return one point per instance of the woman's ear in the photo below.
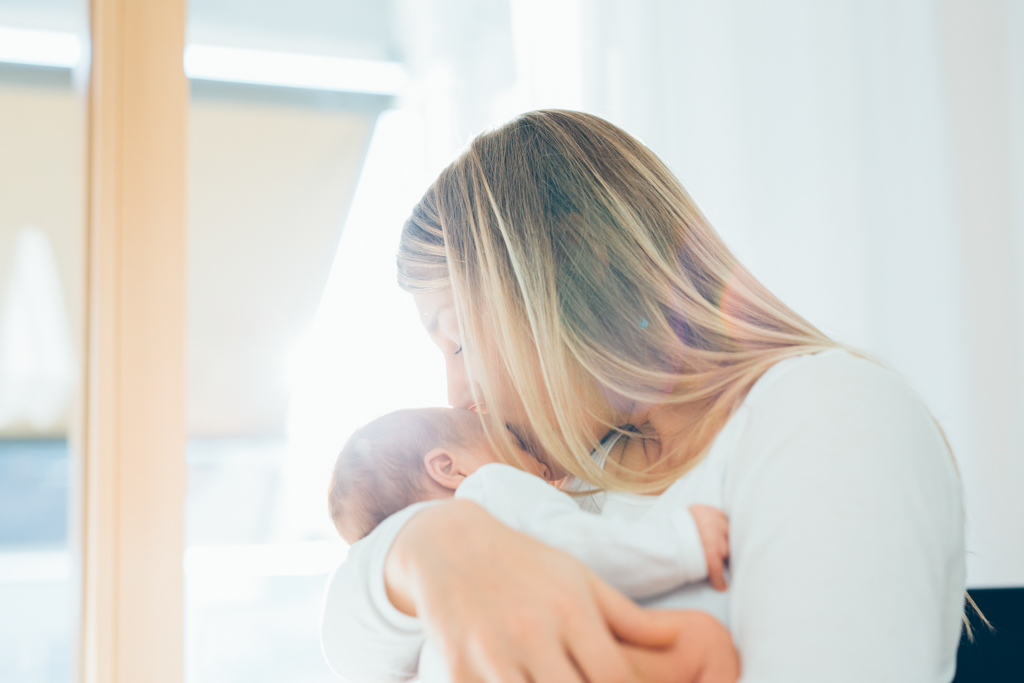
(442, 467)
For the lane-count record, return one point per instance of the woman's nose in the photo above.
(459, 393)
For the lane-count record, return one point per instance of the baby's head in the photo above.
(406, 457)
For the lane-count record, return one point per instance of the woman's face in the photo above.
(437, 314)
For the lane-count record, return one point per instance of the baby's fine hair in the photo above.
(380, 470)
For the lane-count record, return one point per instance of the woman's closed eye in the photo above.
(458, 351)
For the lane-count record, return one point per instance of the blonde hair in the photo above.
(583, 272)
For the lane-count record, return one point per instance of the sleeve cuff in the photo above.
(691, 549)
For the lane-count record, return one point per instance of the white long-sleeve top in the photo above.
(846, 539)
(646, 556)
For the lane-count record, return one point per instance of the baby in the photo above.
(412, 457)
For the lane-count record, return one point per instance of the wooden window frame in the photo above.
(133, 469)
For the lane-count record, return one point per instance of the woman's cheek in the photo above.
(459, 393)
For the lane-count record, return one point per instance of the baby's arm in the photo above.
(656, 553)
(364, 637)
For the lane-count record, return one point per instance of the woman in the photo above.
(576, 291)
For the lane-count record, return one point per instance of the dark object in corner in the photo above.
(994, 656)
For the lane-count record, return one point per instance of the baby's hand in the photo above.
(713, 527)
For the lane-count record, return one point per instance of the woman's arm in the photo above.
(846, 529)
(501, 606)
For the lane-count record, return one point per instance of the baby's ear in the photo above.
(440, 466)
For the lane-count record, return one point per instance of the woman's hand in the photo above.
(702, 651)
(502, 607)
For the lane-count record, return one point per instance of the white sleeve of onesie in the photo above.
(643, 557)
(364, 637)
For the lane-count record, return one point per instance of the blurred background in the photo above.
(865, 158)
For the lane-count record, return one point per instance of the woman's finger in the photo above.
(555, 665)
(596, 653)
(508, 674)
(627, 621)
(478, 662)
(721, 663)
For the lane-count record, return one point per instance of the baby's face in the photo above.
(478, 452)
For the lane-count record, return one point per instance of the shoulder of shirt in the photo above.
(844, 405)
(821, 376)
(498, 470)
(495, 481)
(516, 498)
(840, 394)
(498, 473)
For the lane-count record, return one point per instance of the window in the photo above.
(42, 266)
